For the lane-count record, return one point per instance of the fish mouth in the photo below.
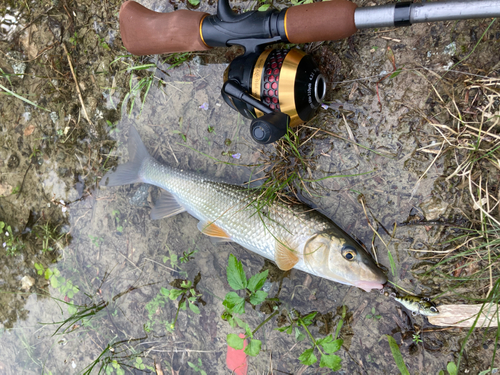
(368, 285)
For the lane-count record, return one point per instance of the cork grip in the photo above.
(328, 20)
(145, 32)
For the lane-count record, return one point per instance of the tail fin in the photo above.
(129, 172)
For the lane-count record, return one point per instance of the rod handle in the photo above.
(328, 20)
(145, 32)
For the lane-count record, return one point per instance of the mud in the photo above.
(114, 260)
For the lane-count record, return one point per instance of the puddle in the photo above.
(96, 252)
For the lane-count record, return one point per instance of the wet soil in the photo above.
(104, 252)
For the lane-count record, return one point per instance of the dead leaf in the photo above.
(29, 130)
(465, 316)
(5, 190)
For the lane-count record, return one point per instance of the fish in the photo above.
(417, 305)
(291, 235)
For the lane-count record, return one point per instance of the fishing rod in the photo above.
(276, 88)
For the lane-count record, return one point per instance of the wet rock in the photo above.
(140, 196)
(27, 282)
(434, 208)
(13, 161)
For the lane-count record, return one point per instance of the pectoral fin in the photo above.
(284, 256)
(213, 230)
(166, 206)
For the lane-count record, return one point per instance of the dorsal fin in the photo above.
(213, 230)
(284, 256)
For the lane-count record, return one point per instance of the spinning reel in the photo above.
(276, 88)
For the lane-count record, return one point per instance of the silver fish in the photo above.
(294, 236)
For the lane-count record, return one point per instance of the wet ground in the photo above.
(75, 244)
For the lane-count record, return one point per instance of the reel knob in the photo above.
(269, 128)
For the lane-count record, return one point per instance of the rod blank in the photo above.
(404, 14)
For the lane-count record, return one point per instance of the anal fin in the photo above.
(213, 230)
(284, 256)
(166, 206)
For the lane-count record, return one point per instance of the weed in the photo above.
(49, 236)
(115, 214)
(416, 338)
(235, 305)
(112, 127)
(187, 256)
(59, 282)
(373, 315)
(470, 256)
(198, 367)
(11, 243)
(189, 297)
(96, 241)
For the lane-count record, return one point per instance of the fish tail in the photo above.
(129, 172)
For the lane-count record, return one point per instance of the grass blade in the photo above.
(23, 99)
(398, 358)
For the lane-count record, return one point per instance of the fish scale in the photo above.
(294, 236)
(231, 208)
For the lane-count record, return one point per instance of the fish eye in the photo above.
(349, 253)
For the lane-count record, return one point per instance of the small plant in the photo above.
(59, 282)
(235, 305)
(74, 39)
(211, 129)
(12, 244)
(189, 296)
(416, 338)
(49, 236)
(198, 367)
(326, 346)
(112, 127)
(115, 214)
(96, 241)
(373, 315)
(187, 256)
(174, 262)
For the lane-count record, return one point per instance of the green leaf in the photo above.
(396, 73)
(264, 7)
(258, 297)
(299, 336)
(331, 361)
(194, 2)
(248, 331)
(257, 281)
(240, 322)
(308, 358)
(452, 368)
(234, 341)
(182, 306)
(194, 308)
(441, 372)
(55, 282)
(165, 291)
(253, 347)
(398, 358)
(235, 274)
(48, 273)
(289, 330)
(332, 346)
(309, 318)
(175, 293)
(282, 329)
(234, 303)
